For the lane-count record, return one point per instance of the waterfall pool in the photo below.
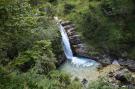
(90, 73)
(80, 67)
(79, 71)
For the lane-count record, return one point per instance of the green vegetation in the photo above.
(107, 25)
(30, 49)
(103, 84)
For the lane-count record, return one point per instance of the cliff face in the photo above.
(78, 47)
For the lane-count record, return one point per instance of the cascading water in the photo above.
(79, 61)
(79, 67)
(66, 44)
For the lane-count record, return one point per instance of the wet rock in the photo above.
(71, 33)
(64, 23)
(78, 50)
(74, 37)
(67, 27)
(84, 81)
(75, 41)
(70, 30)
(81, 52)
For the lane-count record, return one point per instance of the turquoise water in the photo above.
(79, 67)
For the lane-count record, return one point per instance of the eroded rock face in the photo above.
(64, 23)
(71, 33)
(75, 41)
(71, 30)
(80, 49)
(66, 27)
(104, 60)
(130, 64)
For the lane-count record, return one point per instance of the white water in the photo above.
(78, 61)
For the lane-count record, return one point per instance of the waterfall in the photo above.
(66, 44)
(79, 61)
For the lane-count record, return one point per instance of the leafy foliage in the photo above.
(103, 84)
(29, 40)
(105, 25)
(26, 39)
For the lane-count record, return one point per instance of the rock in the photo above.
(84, 81)
(131, 86)
(121, 78)
(81, 52)
(75, 41)
(122, 62)
(110, 74)
(131, 67)
(70, 30)
(124, 54)
(71, 33)
(115, 62)
(64, 23)
(74, 37)
(104, 60)
(130, 64)
(67, 27)
(99, 67)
